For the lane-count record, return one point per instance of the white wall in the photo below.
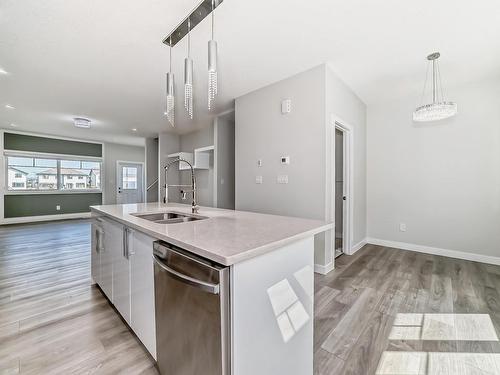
(112, 153)
(262, 132)
(441, 179)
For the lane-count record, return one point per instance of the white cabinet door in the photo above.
(142, 290)
(97, 246)
(111, 231)
(121, 272)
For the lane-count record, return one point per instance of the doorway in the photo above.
(129, 182)
(342, 187)
(339, 192)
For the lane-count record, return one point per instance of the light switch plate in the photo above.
(258, 179)
(286, 106)
(285, 160)
(282, 179)
(402, 227)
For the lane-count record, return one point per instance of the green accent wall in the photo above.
(21, 142)
(45, 204)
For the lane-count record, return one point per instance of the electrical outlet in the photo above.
(402, 227)
(58, 208)
(258, 179)
(259, 163)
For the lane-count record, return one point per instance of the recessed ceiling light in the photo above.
(8, 106)
(134, 129)
(3, 71)
(82, 122)
(13, 125)
(165, 113)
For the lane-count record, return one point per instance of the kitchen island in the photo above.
(266, 304)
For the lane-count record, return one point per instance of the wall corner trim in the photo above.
(435, 251)
(324, 269)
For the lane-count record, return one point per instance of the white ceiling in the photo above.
(105, 60)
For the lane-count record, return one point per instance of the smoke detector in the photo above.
(82, 122)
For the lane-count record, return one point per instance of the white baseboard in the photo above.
(33, 219)
(323, 270)
(358, 246)
(436, 251)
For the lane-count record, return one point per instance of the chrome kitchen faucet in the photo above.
(194, 205)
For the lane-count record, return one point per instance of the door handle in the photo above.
(202, 285)
(344, 198)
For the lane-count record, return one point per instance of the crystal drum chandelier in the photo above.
(439, 109)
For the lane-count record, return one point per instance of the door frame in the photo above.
(348, 184)
(143, 177)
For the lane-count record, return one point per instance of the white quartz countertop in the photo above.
(226, 237)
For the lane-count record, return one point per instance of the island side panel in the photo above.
(272, 312)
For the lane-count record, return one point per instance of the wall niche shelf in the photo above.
(200, 158)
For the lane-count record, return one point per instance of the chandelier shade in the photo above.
(439, 109)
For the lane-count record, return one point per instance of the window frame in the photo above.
(58, 157)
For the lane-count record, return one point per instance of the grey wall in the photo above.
(343, 103)
(441, 179)
(112, 153)
(204, 177)
(262, 132)
(152, 169)
(225, 161)
(45, 204)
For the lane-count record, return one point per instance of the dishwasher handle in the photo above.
(202, 285)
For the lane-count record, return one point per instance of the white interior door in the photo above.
(129, 182)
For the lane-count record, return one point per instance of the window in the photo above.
(129, 178)
(35, 174)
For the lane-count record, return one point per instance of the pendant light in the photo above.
(188, 76)
(212, 65)
(170, 109)
(439, 109)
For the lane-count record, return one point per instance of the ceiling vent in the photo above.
(81, 122)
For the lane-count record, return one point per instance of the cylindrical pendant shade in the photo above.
(188, 86)
(212, 72)
(170, 110)
(212, 56)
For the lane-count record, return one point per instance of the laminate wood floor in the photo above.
(382, 311)
(386, 311)
(52, 321)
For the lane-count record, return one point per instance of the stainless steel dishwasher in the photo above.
(192, 313)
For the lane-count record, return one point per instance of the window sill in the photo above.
(50, 192)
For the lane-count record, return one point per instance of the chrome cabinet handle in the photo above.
(202, 285)
(126, 243)
(98, 246)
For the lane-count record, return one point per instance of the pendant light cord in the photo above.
(170, 57)
(425, 84)
(213, 17)
(189, 37)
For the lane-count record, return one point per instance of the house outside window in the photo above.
(42, 174)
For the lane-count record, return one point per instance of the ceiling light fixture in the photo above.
(212, 64)
(82, 122)
(439, 109)
(8, 106)
(170, 108)
(188, 76)
(13, 125)
(134, 129)
(3, 71)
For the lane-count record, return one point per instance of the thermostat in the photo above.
(285, 160)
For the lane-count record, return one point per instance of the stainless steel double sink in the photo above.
(169, 217)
